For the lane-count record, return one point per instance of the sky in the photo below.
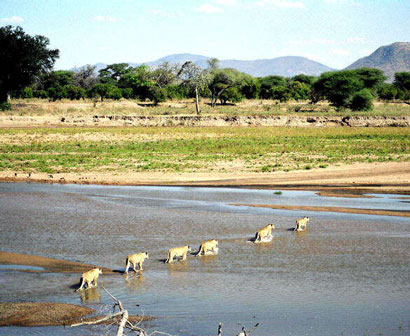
(333, 32)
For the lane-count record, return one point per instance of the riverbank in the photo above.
(46, 264)
(338, 181)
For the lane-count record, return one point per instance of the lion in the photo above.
(178, 252)
(301, 224)
(208, 246)
(89, 277)
(135, 259)
(264, 234)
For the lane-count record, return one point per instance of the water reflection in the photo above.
(133, 281)
(90, 295)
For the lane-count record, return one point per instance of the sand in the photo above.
(341, 180)
(49, 264)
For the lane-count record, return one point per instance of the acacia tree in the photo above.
(195, 78)
(221, 80)
(22, 59)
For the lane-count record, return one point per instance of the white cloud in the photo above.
(225, 2)
(12, 19)
(210, 9)
(340, 52)
(282, 3)
(107, 19)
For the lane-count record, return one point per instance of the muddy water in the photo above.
(348, 275)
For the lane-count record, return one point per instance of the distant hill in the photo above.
(391, 59)
(287, 66)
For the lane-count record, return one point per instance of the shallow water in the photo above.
(349, 274)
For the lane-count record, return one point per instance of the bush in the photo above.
(362, 101)
(157, 95)
(5, 106)
(126, 93)
(40, 94)
(114, 93)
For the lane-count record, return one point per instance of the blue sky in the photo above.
(333, 32)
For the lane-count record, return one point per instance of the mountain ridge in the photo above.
(390, 59)
(287, 66)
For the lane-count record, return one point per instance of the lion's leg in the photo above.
(170, 257)
(127, 266)
(140, 266)
(82, 284)
(134, 267)
(184, 256)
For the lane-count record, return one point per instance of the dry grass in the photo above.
(38, 107)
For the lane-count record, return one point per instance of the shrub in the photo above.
(362, 101)
(5, 106)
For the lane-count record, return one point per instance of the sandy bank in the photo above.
(342, 180)
(378, 212)
(202, 121)
(41, 314)
(49, 264)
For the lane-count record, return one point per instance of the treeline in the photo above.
(353, 89)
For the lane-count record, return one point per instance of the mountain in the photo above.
(391, 59)
(287, 66)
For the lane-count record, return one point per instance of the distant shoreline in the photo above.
(338, 181)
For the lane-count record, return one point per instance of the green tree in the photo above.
(140, 81)
(113, 73)
(337, 87)
(232, 94)
(158, 95)
(100, 90)
(74, 92)
(387, 92)
(221, 80)
(362, 101)
(22, 59)
(402, 81)
(250, 87)
(268, 84)
(371, 78)
(308, 80)
(57, 78)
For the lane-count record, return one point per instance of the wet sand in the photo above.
(49, 264)
(378, 212)
(42, 314)
(337, 181)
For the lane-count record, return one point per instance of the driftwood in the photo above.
(126, 324)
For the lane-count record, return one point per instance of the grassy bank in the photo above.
(214, 149)
(39, 107)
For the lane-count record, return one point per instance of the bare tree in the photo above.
(195, 78)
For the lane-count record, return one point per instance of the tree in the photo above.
(221, 80)
(140, 81)
(308, 80)
(113, 73)
(250, 87)
(337, 87)
(213, 64)
(387, 92)
(267, 85)
(57, 78)
(195, 78)
(100, 90)
(85, 77)
(22, 59)
(402, 81)
(362, 101)
(231, 94)
(371, 78)
(165, 74)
